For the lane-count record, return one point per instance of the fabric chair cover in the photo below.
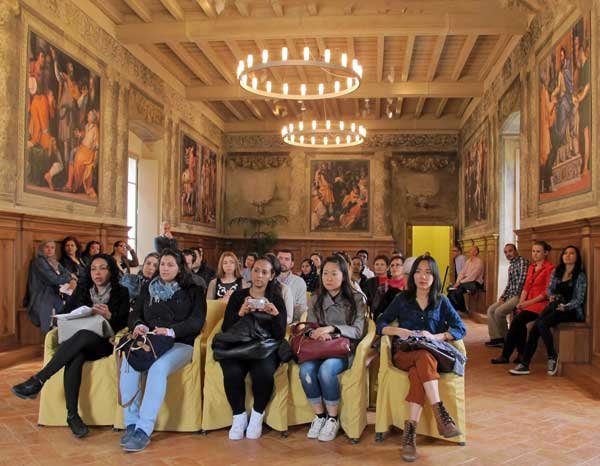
(354, 388)
(393, 384)
(97, 396)
(217, 413)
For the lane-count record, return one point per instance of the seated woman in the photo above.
(189, 257)
(532, 302)
(381, 264)
(106, 298)
(386, 292)
(70, 256)
(272, 318)
(229, 278)
(566, 295)
(135, 282)
(91, 249)
(46, 274)
(310, 275)
(422, 310)
(119, 253)
(339, 310)
(170, 304)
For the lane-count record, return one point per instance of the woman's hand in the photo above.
(560, 307)
(227, 295)
(102, 310)
(521, 305)
(322, 333)
(140, 329)
(404, 333)
(425, 333)
(245, 309)
(161, 331)
(270, 309)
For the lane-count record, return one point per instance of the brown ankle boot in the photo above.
(445, 424)
(409, 441)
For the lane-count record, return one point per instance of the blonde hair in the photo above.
(238, 270)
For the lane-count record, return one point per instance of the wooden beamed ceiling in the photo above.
(425, 61)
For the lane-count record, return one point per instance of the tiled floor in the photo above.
(532, 420)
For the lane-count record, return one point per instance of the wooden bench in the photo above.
(573, 341)
(475, 301)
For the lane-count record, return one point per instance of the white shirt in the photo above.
(297, 287)
(367, 272)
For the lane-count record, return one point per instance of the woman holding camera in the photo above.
(169, 305)
(262, 302)
(340, 311)
(566, 295)
(422, 311)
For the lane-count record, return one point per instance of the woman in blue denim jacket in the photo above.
(566, 296)
(422, 311)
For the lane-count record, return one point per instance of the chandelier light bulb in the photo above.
(306, 53)
(240, 68)
(292, 137)
(250, 61)
(254, 82)
(284, 131)
(301, 126)
(349, 82)
(314, 124)
(291, 127)
(312, 139)
(336, 86)
(285, 88)
(357, 137)
(341, 126)
(265, 56)
(325, 140)
(301, 139)
(344, 60)
(303, 89)
(337, 139)
(327, 55)
(244, 79)
(354, 64)
(328, 124)
(353, 127)
(284, 54)
(321, 88)
(269, 86)
(348, 139)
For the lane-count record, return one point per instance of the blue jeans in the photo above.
(143, 413)
(320, 380)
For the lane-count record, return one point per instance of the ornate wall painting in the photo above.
(198, 183)
(340, 193)
(62, 121)
(475, 160)
(565, 115)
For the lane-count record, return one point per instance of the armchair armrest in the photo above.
(385, 352)
(362, 349)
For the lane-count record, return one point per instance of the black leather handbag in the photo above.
(445, 359)
(142, 351)
(246, 339)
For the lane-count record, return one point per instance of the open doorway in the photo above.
(435, 240)
(510, 151)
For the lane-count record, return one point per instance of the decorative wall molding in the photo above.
(144, 108)
(255, 161)
(426, 162)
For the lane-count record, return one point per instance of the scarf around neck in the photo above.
(100, 298)
(161, 291)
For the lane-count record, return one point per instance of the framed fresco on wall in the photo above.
(340, 193)
(198, 182)
(62, 124)
(475, 161)
(565, 114)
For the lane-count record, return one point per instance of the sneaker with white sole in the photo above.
(552, 366)
(238, 426)
(329, 430)
(521, 369)
(315, 427)
(254, 429)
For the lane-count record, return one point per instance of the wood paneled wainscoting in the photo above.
(20, 235)
(478, 303)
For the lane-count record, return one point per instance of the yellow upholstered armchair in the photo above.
(354, 392)
(392, 408)
(217, 412)
(97, 396)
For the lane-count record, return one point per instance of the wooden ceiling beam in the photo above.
(242, 8)
(238, 28)
(380, 57)
(366, 90)
(419, 109)
(254, 109)
(500, 45)
(110, 10)
(377, 109)
(207, 7)
(187, 58)
(277, 8)
(435, 58)
(173, 7)
(463, 56)
(235, 112)
(440, 108)
(463, 107)
(140, 9)
(312, 8)
(295, 54)
(410, 47)
(227, 73)
(399, 103)
(322, 47)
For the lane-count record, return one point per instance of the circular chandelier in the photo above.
(344, 79)
(323, 135)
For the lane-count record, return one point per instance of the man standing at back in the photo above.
(165, 240)
(497, 312)
(294, 282)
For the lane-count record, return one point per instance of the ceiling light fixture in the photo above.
(323, 135)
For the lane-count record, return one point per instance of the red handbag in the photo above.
(307, 349)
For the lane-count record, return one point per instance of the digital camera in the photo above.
(257, 303)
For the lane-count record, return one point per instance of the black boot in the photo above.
(77, 426)
(28, 389)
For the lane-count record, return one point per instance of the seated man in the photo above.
(469, 279)
(497, 312)
(296, 284)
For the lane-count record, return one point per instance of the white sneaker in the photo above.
(552, 366)
(254, 430)
(238, 426)
(315, 427)
(329, 430)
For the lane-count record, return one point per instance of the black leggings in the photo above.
(71, 354)
(517, 333)
(261, 373)
(549, 318)
(457, 296)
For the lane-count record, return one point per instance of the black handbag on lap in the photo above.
(445, 359)
(142, 351)
(246, 339)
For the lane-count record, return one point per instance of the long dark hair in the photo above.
(577, 269)
(63, 252)
(346, 290)
(184, 275)
(113, 270)
(88, 246)
(434, 291)
(273, 287)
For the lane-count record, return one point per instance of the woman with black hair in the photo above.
(566, 295)
(119, 253)
(92, 248)
(310, 275)
(170, 304)
(135, 282)
(262, 303)
(70, 256)
(339, 310)
(106, 298)
(422, 311)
